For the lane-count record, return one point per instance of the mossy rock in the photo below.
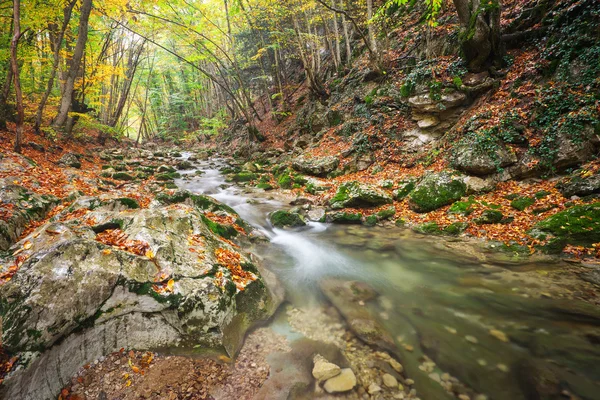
(281, 219)
(339, 217)
(387, 184)
(242, 177)
(578, 225)
(436, 190)
(122, 176)
(404, 189)
(265, 186)
(428, 228)
(456, 228)
(490, 217)
(356, 194)
(128, 202)
(167, 176)
(371, 220)
(522, 202)
(386, 213)
(165, 168)
(463, 207)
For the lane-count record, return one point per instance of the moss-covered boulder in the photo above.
(243, 176)
(316, 166)
(122, 176)
(578, 225)
(165, 168)
(404, 188)
(436, 190)
(184, 164)
(356, 194)
(282, 219)
(160, 275)
(522, 202)
(339, 217)
(490, 217)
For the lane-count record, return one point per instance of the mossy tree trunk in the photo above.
(480, 33)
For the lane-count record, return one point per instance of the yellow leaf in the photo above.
(106, 252)
(170, 285)
(135, 369)
(27, 245)
(128, 383)
(150, 254)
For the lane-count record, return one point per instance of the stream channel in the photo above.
(448, 316)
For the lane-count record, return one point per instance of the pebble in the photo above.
(324, 369)
(499, 335)
(451, 330)
(463, 397)
(389, 381)
(445, 377)
(502, 367)
(408, 347)
(374, 388)
(435, 376)
(343, 382)
(409, 382)
(396, 365)
(400, 387)
(471, 339)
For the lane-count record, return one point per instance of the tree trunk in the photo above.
(370, 29)
(15, 68)
(346, 37)
(57, 46)
(336, 33)
(480, 33)
(65, 103)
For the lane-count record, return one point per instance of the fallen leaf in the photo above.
(27, 245)
(106, 252)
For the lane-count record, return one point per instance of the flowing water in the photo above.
(503, 329)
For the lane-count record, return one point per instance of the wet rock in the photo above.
(356, 194)
(436, 190)
(281, 219)
(477, 185)
(111, 291)
(37, 146)
(184, 164)
(316, 166)
(404, 188)
(472, 159)
(323, 369)
(490, 217)
(362, 161)
(374, 389)
(343, 382)
(70, 160)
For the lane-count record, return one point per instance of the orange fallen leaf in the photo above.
(106, 252)
(27, 245)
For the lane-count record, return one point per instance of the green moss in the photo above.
(404, 188)
(265, 186)
(400, 222)
(344, 217)
(456, 228)
(387, 184)
(578, 225)
(285, 181)
(490, 217)
(463, 207)
(371, 220)
(521, 203)
(242, 177)
(541, 194)
(436, 191)
(282, 219)
(167, 176)
(122, 176)
(428, 228)
(225, 231)
(129, 203)
(386, 214)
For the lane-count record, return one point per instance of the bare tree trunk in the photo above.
(65, 103)
(133, 63)
(370, 29)
(346, 36)
(336, 33)
(57, 46)
(480, 32)
(15, 68)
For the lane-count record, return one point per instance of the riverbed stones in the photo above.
(315, 166)
(436, 190)
(75, 296)
(323, 369)
(344, 382)
(282, 219)
(389, 381)
(356, 194)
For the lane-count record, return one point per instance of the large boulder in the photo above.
(70, 160)
(115, 277)
(436, 190)
(19, 207)
(423, 103)
(472, 159)
(316, 166)
(356, 194)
